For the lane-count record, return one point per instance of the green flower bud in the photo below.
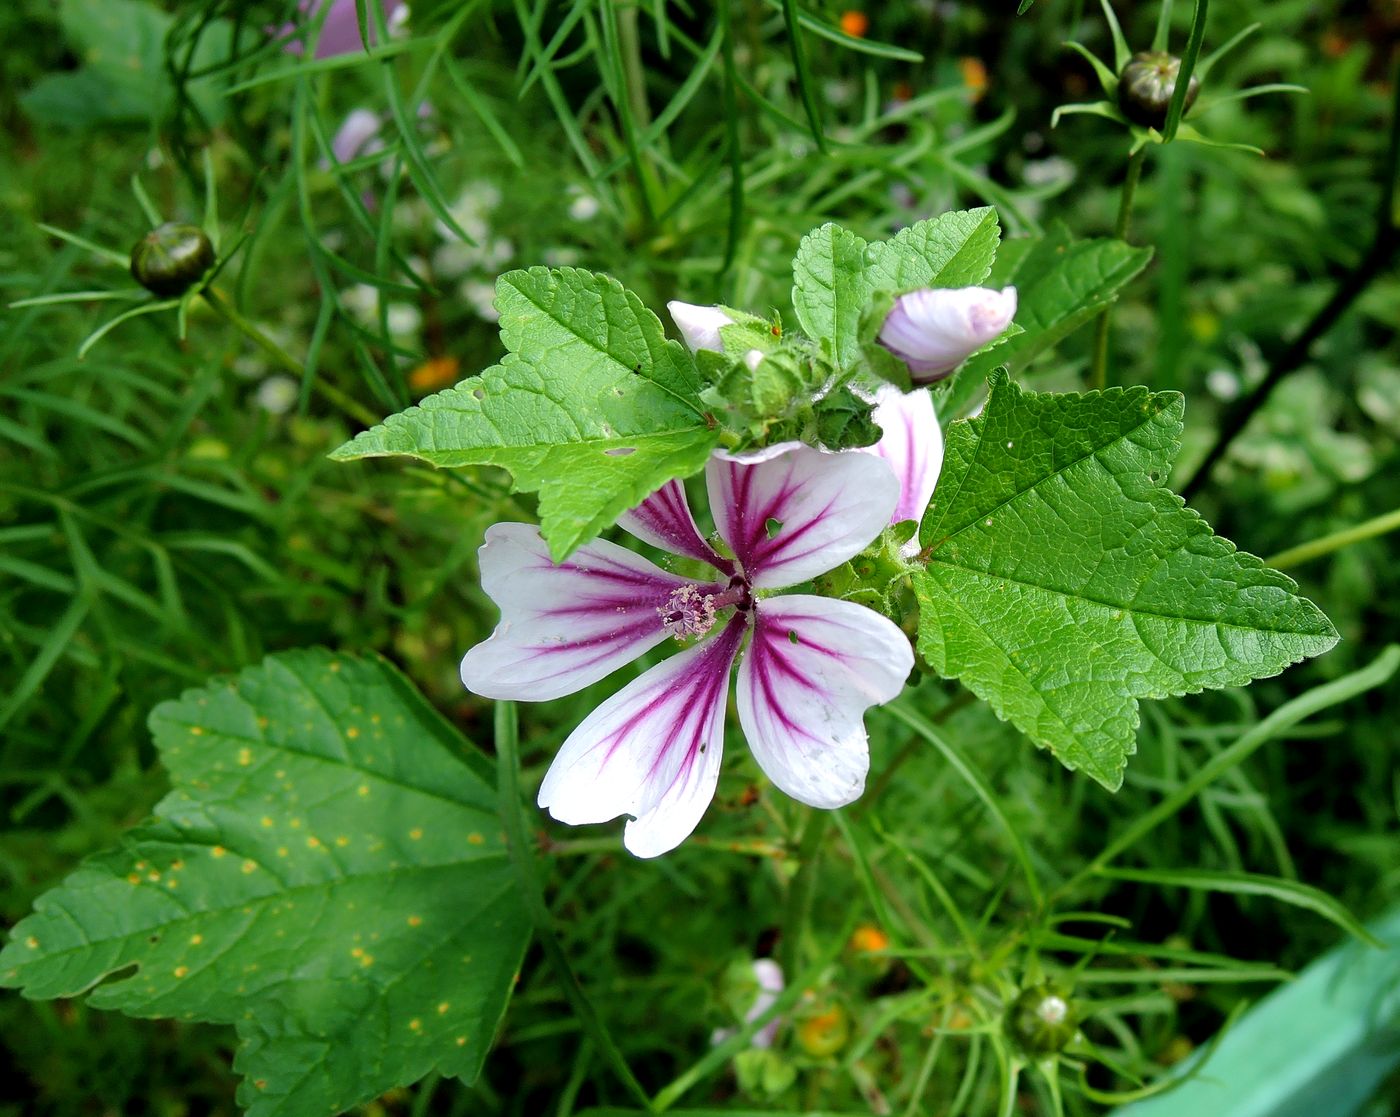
(1042, 1020)
(1146, 85)
(171, 258)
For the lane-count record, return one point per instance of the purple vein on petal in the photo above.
(664, 520)
(568, 625)
(652, 750)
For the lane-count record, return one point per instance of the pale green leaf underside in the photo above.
(593, 408)
(1065, 581)
(836, 273)
(327, 876)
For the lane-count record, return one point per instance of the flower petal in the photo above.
(664, 520)
(566, 626)
(912, 444)
(935, 329)
(699, 325)
(652, 750)
(813, 667)
(797, 512)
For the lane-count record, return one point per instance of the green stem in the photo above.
(1384, 243)
(799, 898)
(1316, 548)
(1098, 368)
(522, 856)
(1194, 39)
(284, 360)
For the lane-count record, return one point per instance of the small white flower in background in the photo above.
(562, 256)
(839, 92)
(699, 325)
(1054, 170)
(398, 21)
(584, 207)
(811, 668)
(362, 301)
(405, 320)
(472, 211)
(768, 976)
(1222, 383)
(935, 329)
(481, 297)
(278, 394)
(249, 367)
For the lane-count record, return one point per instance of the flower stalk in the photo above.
(1098, 367)
(284, 360)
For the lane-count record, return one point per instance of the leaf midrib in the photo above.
(981, 441)
(258, 901)
(1137, 612)
(691, 403)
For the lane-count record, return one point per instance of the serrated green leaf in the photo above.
(593, 408)
(1064, 581)
(328, 875)
(830, 288)
(955, 249)
(836, 273)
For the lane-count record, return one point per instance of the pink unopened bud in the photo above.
(935, 329)
(699, 325)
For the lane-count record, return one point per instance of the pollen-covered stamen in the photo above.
(690, 610)
(687, 612)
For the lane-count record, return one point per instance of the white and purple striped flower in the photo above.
(811, 668)
(935, 329)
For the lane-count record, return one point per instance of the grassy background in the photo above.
(167, 512)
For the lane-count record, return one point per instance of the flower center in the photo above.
(690, 611)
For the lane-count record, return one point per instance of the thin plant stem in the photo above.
(1327, 544)
(1374, 674)
(284, 360)
(1098, 368)
(801, 890)
(522, 856)
(1194, 39)
(1378, 257)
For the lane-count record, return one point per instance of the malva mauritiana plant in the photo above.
(330, 873)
